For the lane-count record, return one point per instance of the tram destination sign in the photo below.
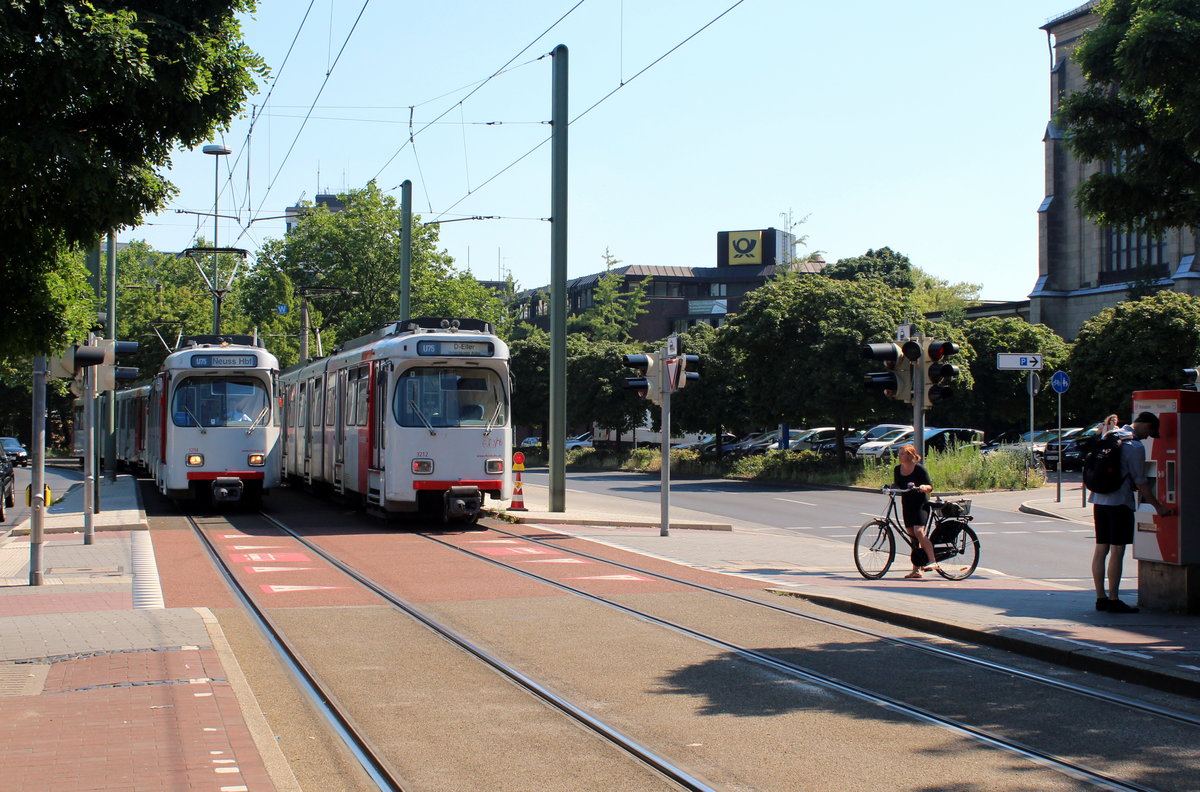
(224, 361)
(444, 348)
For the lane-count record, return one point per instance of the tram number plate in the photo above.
(224, 361)
(455, 348)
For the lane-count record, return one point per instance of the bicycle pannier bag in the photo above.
(946, 532)
(1102, 465)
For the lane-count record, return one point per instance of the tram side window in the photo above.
(225, 401)
(450, 397)
(356, 397)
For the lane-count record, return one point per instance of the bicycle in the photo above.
(955, 544)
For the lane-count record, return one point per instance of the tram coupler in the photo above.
(463, 502)
(227, 489)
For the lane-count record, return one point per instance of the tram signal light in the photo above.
(74, 359)
(1190, 377)
(109, 373)
(649, 384)
(689, 370)
(896, 383)
(939, 374)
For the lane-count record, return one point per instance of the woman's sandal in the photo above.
(915, 574)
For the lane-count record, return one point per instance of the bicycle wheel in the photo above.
(966, 556)
(874, 549)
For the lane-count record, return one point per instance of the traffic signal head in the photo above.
(649, 384)
(897, 382)
(109, 373)
(73, 359)
(689, 370)
(939, 374)
(1190, 376)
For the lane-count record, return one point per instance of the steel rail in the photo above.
(627, 744)
(383, 776)
(1050, 761)
(1097, 695)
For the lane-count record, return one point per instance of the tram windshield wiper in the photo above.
(487, 430)
(195, 419)
(413, 403)
(261, 415)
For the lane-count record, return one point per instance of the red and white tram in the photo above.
(413, 417)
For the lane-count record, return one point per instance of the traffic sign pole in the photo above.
(1060, 382)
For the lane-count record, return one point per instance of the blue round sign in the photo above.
(282, 309)
(1060, 382)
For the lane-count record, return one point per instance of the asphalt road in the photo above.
(1013, 542)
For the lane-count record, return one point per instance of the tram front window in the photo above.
(450, 397)
(223, 401)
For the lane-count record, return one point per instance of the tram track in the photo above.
(1119, 775)
(992, 738)
(370, 757)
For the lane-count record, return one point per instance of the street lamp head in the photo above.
(217, 150)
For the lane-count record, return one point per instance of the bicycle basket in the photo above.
(958, 508)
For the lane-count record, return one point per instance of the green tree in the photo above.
(530, 367)
(358, 249)
(800, 340)
(613, 314)
(893, 268)
(999, 400)
(596, 385)
(1134, 345)
(952, 299)
(1139, 114)
(94, 98)
(718, 400)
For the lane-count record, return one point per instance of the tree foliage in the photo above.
(1134, 345)
(1139, 114)
(614, 311)
(94, 99)
(530, 367)
(596, 385)
(358, 250)
(893, 268)
(999, 400)
(800, 339)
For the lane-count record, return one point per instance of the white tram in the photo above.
(414, 417)
(212, 422)
(132, 420)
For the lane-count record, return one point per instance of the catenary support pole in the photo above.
(89, 454)
(557, 438)
(664, 528)
(406, 249)
(109, 444)
(37, 485)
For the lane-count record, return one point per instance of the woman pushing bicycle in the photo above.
(911, 476)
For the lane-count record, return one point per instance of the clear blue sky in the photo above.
(913, 125)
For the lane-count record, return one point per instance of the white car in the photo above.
(582, 441)
(877, 448)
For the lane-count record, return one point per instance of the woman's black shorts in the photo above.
(1114, 524)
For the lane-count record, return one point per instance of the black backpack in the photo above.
(1102, 465)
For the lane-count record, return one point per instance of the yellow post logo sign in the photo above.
(745, 247)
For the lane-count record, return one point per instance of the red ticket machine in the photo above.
(1168, 548)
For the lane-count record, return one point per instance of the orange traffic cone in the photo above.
(518, 499)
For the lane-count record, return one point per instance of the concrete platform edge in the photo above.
(1046, 649)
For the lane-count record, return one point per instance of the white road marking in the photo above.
(790, 500)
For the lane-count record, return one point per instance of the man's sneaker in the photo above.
(1101, 603)
(1117, 606)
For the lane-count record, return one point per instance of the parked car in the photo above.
(708, 443)
(14, 449)
(876, 448)
(815, 437)
(736, 447)
(1070, 450)
(770, 441)
(7, 484)
(936, 439)
(853, 440)
(531, 442)
(1024, 441)
(580, 441)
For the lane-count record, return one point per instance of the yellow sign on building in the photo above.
(745, 247)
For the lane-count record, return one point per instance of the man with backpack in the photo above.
(1113, 469)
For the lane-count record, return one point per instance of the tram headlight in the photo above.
(257, 460)
(495, 466)
(195, 460)
(422, 467)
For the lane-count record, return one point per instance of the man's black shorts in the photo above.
(1114, 524)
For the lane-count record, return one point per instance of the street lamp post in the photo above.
(216, 150)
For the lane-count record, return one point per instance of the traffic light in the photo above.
(649, 384)
(939, 373)
(109, 373)
(689, 370)
(1190, 376)
(896, 383)
(74, 359)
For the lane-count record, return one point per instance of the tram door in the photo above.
(378, 434)
(339, 424)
